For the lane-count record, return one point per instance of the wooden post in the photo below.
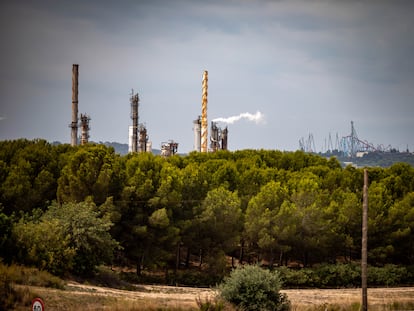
(364, 254)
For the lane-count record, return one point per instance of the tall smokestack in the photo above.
(74, 124)
(204, 113)
(134, 116)
(224, 135)
(197, 134)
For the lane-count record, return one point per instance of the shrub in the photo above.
(210, 304)
(30, 276)
(12, 296)
(253, 288)
(389, 275)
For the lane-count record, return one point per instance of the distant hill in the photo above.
(380, 159)
(122, 149)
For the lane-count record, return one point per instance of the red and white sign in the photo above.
(38, 305)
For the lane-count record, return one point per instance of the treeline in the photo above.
(69, 208)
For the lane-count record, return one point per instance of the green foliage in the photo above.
(46, 245)
(253, 288)
(93, 170)
(264, 206)
(343, 276)
(7, 246)
(209, 304)
(71, 237)
(30, 276)
(10, 295)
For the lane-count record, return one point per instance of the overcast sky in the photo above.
(306, 66)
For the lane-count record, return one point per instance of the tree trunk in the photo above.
(140, 264)
(241, 252)
(187, 258)
(200, 258)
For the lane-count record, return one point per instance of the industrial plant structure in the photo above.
(204, 123)
(74, 124)
(138, 136)
(134, 99)
(197, 134)
(169, 148)
(218, 138)
(84, 138)
(84, 128)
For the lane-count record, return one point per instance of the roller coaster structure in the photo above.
(347, 146)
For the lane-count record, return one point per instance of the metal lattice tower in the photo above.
(134, 116)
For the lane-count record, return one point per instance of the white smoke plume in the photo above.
(258, 117)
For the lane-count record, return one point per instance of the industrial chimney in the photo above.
(204, 125)
(74, 124)
(224, 134)
(197, 134)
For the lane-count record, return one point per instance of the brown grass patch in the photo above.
(146, 297)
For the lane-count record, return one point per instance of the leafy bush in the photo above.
(71, 237)
(345, 275)
(301, 278)
(389, 275)
(253, 288)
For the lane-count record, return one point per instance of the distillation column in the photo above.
(134, 116)
(204, 125)
(197, 134)
(74, 124)
(85, 128)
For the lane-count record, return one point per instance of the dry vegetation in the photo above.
(146, 297)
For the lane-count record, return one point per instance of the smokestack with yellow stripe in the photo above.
(204, 140)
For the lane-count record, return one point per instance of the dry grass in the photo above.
(82, 297)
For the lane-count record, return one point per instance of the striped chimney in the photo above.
(204, 141)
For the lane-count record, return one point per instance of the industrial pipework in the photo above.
(143, 138)
(204, 124)
(214, 137)
(134, 116)
(169, 148)
(74, 124)
(218, 138)
(85, 128)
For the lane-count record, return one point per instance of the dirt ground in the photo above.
(186, 296)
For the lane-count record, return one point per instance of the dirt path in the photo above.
(186, 296)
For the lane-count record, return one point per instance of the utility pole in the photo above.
(364, 254)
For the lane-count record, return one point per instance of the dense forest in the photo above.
(68, 209)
